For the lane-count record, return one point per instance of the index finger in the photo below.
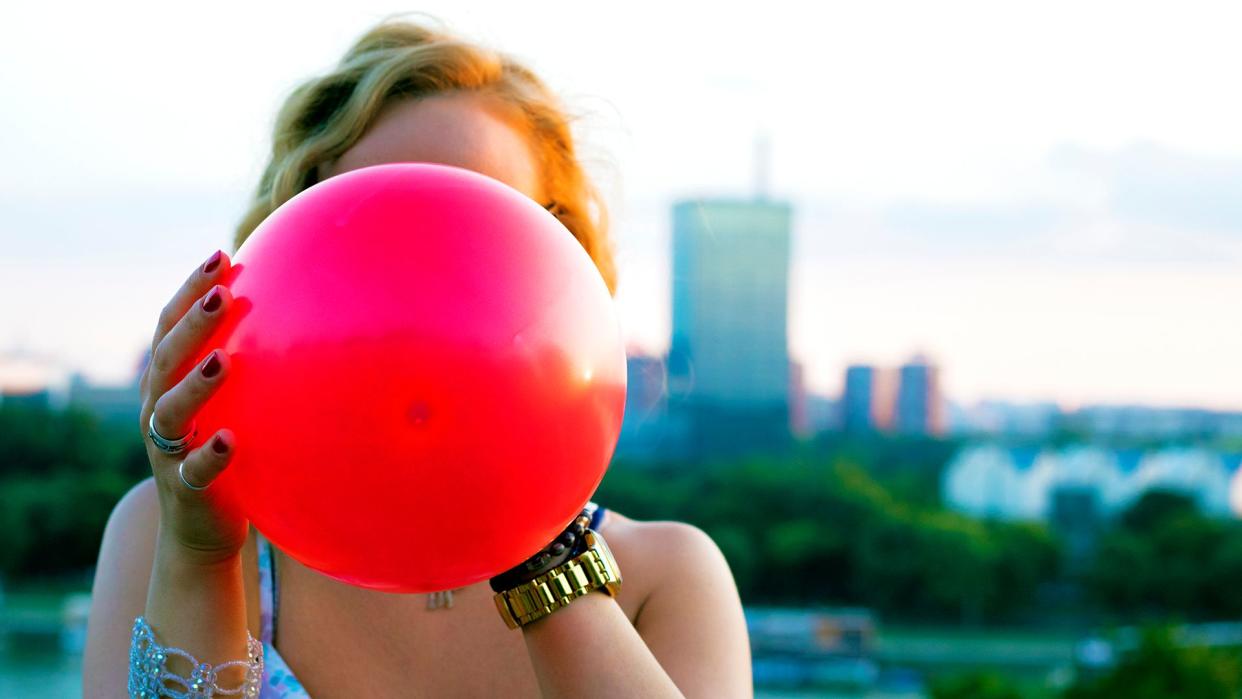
(202, 279)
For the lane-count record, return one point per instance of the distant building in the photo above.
(1077, 485)
(31, 379)
(110, 403)
(799, 422)
(1200, 473)
(1077, 517)
(1074, 468)
(822, 413)
(1155, 423)
(801, 648)
(1233, 466)
(41, 382)
(728, 361)
(920, 405)
(907, 401)
(1143, 423)
(867, 399)
(37, 399)
(986, 481)
(1001, 418)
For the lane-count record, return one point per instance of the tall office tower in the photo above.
(867, 399)
(729, 359)
(920, 408)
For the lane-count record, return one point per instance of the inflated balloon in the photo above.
(428, 377)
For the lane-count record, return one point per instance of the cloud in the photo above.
(981, 226)
(1142, 203)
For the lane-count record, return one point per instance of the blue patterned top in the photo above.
(279, 682)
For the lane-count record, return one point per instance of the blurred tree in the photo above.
(1159, 669)
(61, 473)
(1154, 508)
(1222, 574)
(819, 529)
(974, 685)
(823, 526)
(1121, 574)
(1026, 556)
(1165, 559)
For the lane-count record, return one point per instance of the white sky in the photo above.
(1046, 197)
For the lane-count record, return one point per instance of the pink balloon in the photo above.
(427, 380)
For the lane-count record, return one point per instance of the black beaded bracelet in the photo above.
(568, 544)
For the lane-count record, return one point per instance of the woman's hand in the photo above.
(195, 525)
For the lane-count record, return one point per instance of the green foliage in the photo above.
(1165, 559)
(818, 529)
(60, 475)
(1155, 508)
(974, 685)
(832, 523)
(1159, 669)
(908, 467)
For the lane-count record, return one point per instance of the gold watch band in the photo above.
(593, 569)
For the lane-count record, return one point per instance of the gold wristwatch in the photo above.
(593, 569)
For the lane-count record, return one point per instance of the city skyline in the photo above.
(1042, 240)
(22, 372)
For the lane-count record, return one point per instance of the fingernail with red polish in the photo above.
(219, 446)
(213, 300)
(212, 263)
(211, 366)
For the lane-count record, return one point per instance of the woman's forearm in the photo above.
(199, 607)
(590, 648)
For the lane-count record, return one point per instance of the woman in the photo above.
(206, 583)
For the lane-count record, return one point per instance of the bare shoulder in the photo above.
(690, 614)
(119, 594)
(129, 535)
(660, 548)
(662, 555)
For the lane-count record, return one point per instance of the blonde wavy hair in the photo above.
(398, 59)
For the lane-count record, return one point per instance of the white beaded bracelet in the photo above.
(149, 676)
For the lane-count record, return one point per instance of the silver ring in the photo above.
(166, 445)
(181, 474)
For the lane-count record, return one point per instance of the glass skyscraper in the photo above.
(728, 359)
(867, 400)
(919, 403)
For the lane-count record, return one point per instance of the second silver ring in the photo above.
(191, 486)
